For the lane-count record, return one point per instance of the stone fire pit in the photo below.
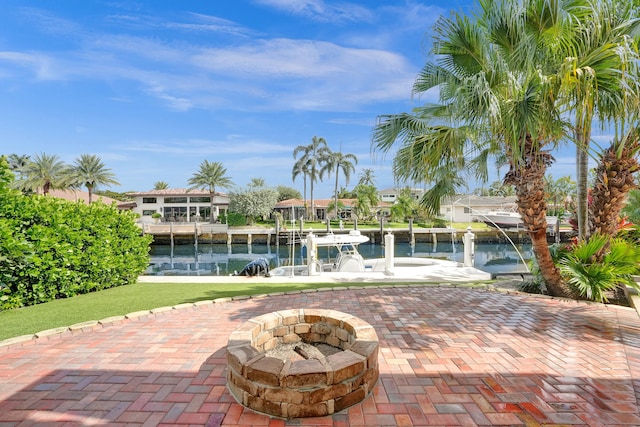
(302, 363)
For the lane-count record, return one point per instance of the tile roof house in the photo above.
(83, 196)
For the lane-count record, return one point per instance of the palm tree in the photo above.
(336, 162)
(313, 154)
(301, 167)
(614, 180)
(495, 76)
(599, 79)
(160, 185)
(404, 206)
(257, 183)
(46, 172)
(367, 177)
(90, 172)
(366, 200)
(209, 176)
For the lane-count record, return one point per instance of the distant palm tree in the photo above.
(367, 177)
(90, 172)
(313, 154)
(257, 183)
(209, 176)
(367, 200)
(337, 161)
(17, 161)
(160, 185)
(43, 172)
(301, 167)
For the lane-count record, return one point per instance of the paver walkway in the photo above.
(448, 356)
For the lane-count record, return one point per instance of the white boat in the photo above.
(508, 219)
(350, 265)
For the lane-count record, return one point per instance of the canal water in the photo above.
(222, 260)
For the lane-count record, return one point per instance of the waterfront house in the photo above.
(179, 205)
(461, 208)
(297, 207)
(390, 195)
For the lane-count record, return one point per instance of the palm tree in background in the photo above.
(367, 200)
(301, 167)
(209, 176)
(599, 80)
(334, 162)
(367, 177)
(313, 154)
(44, 172)
(160, 185)
(89, 171)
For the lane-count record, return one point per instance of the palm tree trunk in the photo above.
(312, 216)
(528, 181)
(582, 170)
(335, 192)
(304, 190)
(614, 180)
(211, 217)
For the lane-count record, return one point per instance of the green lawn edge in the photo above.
(137, 297)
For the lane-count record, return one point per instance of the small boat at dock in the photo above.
(349, 264)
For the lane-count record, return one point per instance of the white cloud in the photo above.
(320, 11)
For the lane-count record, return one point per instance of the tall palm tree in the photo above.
(89, 171)
(45, 172)
(598, 79)
(209, 176)
(495, 75)
(335, 162)
(301, 167)
(160, 185)
(314, 154)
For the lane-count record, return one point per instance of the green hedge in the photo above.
(52, 248)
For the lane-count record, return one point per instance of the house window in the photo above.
(467, 210)
(203, 199)
(149, 200)
(148, 212)
(175, 200)
(176, 213)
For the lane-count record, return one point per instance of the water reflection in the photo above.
(220, 259)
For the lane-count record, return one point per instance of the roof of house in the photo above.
(174, 192)
(320, 203)
(78, 195)
(473, 200)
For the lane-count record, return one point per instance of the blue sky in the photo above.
(156, 87)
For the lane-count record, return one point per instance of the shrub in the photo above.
(592, 277)
(52, 248)
(235, 219)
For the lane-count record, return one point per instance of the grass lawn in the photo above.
(128, 299)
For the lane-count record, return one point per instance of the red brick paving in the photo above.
(448, 356)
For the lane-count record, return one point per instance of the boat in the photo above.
(508, 219)
(349, 264)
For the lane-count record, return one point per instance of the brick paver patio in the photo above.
(448, 356)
